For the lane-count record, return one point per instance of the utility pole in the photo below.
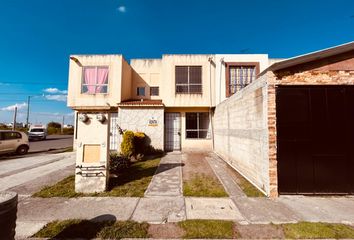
(28, 108)
(14, 122)
(62, 125)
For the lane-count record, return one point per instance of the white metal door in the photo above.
(114, 132)
(172, 131)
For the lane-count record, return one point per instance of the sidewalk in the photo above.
(161, 205)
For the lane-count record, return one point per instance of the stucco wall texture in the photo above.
(241, 133)
(137, 120)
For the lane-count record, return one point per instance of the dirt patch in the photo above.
(165, 231)
(259, 231)
(195, 163)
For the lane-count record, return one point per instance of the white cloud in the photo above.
(56, 97)
(12, 107)
(55, 90)
(122, 9)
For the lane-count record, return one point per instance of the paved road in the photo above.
(29, 174)
(52, 142)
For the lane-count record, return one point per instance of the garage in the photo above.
(315, 139)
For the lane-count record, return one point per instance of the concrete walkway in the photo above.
(167, 180)
(163, 202)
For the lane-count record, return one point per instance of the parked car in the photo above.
(13, 142)
(37, 131)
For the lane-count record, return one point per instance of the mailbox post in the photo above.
(92, 154)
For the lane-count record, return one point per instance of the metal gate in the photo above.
(113, 135)
(315, 139)
(172, 131)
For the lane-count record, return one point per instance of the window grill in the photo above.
(189, 79)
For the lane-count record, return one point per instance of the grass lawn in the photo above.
(308, 230)
(77, 228)
(245, 185)
(200, 185)
(207, 229)
(131, 183)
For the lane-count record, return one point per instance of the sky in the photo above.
(38, 36)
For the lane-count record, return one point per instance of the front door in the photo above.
(172, 131)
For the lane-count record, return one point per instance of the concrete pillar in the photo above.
(92, 152)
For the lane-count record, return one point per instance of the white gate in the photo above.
(172, 131)
(114, 132)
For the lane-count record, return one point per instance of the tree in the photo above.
(54, 125)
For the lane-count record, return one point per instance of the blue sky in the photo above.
(38, 36)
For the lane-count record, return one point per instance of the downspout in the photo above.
(210, 59)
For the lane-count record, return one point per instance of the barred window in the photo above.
(154, 91)
(197, 125)
(239, 76)
(188, 79)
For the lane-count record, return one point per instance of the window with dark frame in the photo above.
(140, 91)
(239, 75)
(154, 91)
(197, 125)
(188, 79)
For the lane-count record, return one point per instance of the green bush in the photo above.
(53, 130)
(140, 142)
(68, 131)
(118, 162)
(127, 145)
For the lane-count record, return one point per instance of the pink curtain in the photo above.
(90, 79)
(102, 78)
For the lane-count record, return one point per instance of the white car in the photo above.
(13, 142)
(37, 132)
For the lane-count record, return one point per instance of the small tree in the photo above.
(127, 145)
(54, 125)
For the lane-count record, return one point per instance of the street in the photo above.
(52, 142)
(29, 174)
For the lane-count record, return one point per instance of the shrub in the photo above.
(53, 130)
(118, 162)
(140, 142)
(127, 145)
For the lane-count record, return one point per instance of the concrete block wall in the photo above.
(241, 133)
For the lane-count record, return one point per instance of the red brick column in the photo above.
(272, 131)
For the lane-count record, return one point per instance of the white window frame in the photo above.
(96, 85)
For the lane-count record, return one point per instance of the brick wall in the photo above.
(338, 70)
(241, 133)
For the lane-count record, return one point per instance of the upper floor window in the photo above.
(188, 79)
(239, 75)
(95, 80)
(154, 91)
(140, 91)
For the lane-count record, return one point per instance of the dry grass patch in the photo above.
(248, 188)
(199, 179)
(131, 183)
(85, 229)
(306, 230)
(166, 231)
(207, 229)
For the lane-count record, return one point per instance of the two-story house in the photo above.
(285, 125)
(170, 99)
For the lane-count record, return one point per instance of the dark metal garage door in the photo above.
(315, 139)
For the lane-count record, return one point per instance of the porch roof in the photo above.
(141, 103)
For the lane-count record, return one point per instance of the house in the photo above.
(280, 123)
